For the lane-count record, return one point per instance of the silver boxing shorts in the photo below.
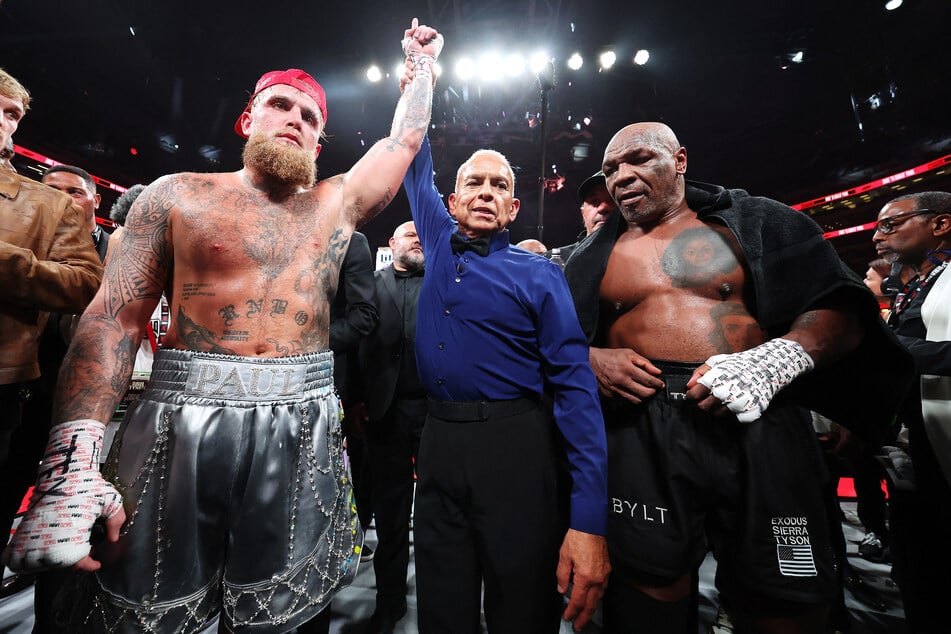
(237, 498)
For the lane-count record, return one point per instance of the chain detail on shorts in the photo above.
(310, 580)
(250, 605)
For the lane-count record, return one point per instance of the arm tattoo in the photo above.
(99, 362)
(96, 370)
(387, 199)
(141, 267)
(413, 110)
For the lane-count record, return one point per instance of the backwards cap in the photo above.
(593, 181)
(295, 78)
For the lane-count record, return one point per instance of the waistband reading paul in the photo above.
(256, 379)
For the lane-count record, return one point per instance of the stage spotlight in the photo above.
(538, 61)
(891, 5)
(465, 68)
(491, 67)
(437, 69)
(514, 65)
(641, 57)
(374, 73)
(587, 120)
(607, 59)
(796, 57)
(575, 62)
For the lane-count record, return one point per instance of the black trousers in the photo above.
(10, 415)
(26, 410)
(491, 506)
(393, 448)
(921, 530)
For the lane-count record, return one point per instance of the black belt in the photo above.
(675, 375)
(473, 411)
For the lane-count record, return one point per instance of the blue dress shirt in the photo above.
(504, 327)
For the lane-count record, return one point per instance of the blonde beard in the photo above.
(285, 164)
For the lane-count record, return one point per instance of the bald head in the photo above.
(407, 250)
(644, 166)
(655, 135)
(535, 246)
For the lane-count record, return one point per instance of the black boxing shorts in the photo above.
(682, 481)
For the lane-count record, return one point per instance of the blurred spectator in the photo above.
(533, 245)
(396, 410)
(596, 206)
(120, 209)
(47, 263)
(6, 155)
(352, 317)
(77, 182)
(915, 230)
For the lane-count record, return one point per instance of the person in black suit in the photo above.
(353, 317)
(396, 408)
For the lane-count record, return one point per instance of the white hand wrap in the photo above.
(70, 495)
(436, 43)
(747, 381)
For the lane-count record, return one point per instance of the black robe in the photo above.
(793, 269)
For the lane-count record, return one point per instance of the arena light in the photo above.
(437, 69)
(538, 61)
(575, 62)
(796, 57)
(641, 57)
(891, 5)
(374, 73)
(491, 67)
(514, 65)
(607, 59)
(465, 68)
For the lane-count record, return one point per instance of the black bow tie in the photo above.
(460, 244)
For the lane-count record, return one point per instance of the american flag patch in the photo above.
(796, 561)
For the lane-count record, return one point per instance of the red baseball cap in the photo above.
(295, 78)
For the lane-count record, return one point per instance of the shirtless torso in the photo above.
(249, 276)
(686, 299)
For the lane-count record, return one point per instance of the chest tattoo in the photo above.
(697, 257)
